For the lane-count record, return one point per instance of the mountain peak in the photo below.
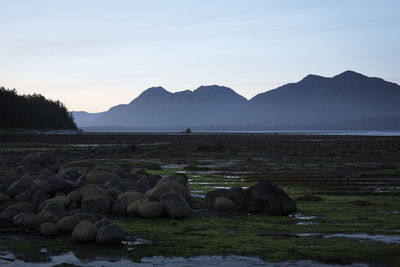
(350, 74)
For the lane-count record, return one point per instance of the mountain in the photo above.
(346, 101)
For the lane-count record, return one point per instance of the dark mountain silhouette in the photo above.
(33, 112)
(346, 101)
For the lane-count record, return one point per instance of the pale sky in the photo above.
(93, 54)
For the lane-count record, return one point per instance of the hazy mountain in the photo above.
(347, 101)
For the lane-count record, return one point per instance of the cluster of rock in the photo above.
(263, 197)
(78, 196)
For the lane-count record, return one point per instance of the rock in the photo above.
(79, 163)
(84, 231)
(49, 217)
(131, 210)
(211, 196)
(6, 217)
(68, 223)
(33, 222)
(130, 196)
(48, 229)
(179, 179)
(99, 177)
(113, 183)
(22, 206)
(25, 197)
(175, 205)
(145, 183)
(75, 196)
(69, 174)
(225, 204)
(18, 219)
(61, 199)
(39, 196)
(54, 185)
(4, 198)
(151, 209)
(97, 204)
(20, 186)
(103, 167)
(111, 233)
(86, 216)
(118, 207)
(113, 192)
(266, 197)
(56, 208)
(39, 158)
(102, 222)
(139, 172)
(156, 192)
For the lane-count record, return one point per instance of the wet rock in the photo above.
(84, 231)
(33, 222)
(224, 204)
(39, 158)
(39, 196)
(54, 185)
(102, 222)
(118, 207)
(179, 179)
(86, 216)
(18, 219)
(156, 192)
(130, 196)
(22, 206)
(6, 217)
(131, 210)
(68, 223)
(56, 208)
(99, 177)
(266, 197)
(211, 196)
(20, 186)
(111, 233)
(175, 205)
(97, 204)
(25, 197)
(48, 229)
(75, 196)
(113, 192)
(145, 183)
(151, 209)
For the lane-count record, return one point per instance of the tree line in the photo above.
(33, 112)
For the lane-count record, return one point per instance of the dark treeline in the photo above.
(33, 112)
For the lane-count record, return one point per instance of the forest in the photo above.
(33, 112)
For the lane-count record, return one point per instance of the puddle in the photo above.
(387, 239)
(303, 217)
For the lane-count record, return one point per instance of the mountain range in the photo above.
(348, 101)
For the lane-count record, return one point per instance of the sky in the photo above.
(94, 54)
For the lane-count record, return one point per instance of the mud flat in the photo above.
(346, 190)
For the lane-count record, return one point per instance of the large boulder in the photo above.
(130, 196)
(151, 209)
(156, 192)
(175, 205)
(71, 174)
(131, 210)
(118, 207)
(22, 206)
(6, 217)
(56, 208)
(48, 229)
(4, 198)
(224, 204)
(145, 183)
(84, 231)
(99, 177)
(211, 196)
(25, 197)
(266, 197)
(111, 233)
(20, 186)
(98, 204)
(18, 219)
(39, 196)
(33, 222)
(56, 184)
(61, 199)
(176, 178)
(68, 223)
(75, 196)
(86, 216)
